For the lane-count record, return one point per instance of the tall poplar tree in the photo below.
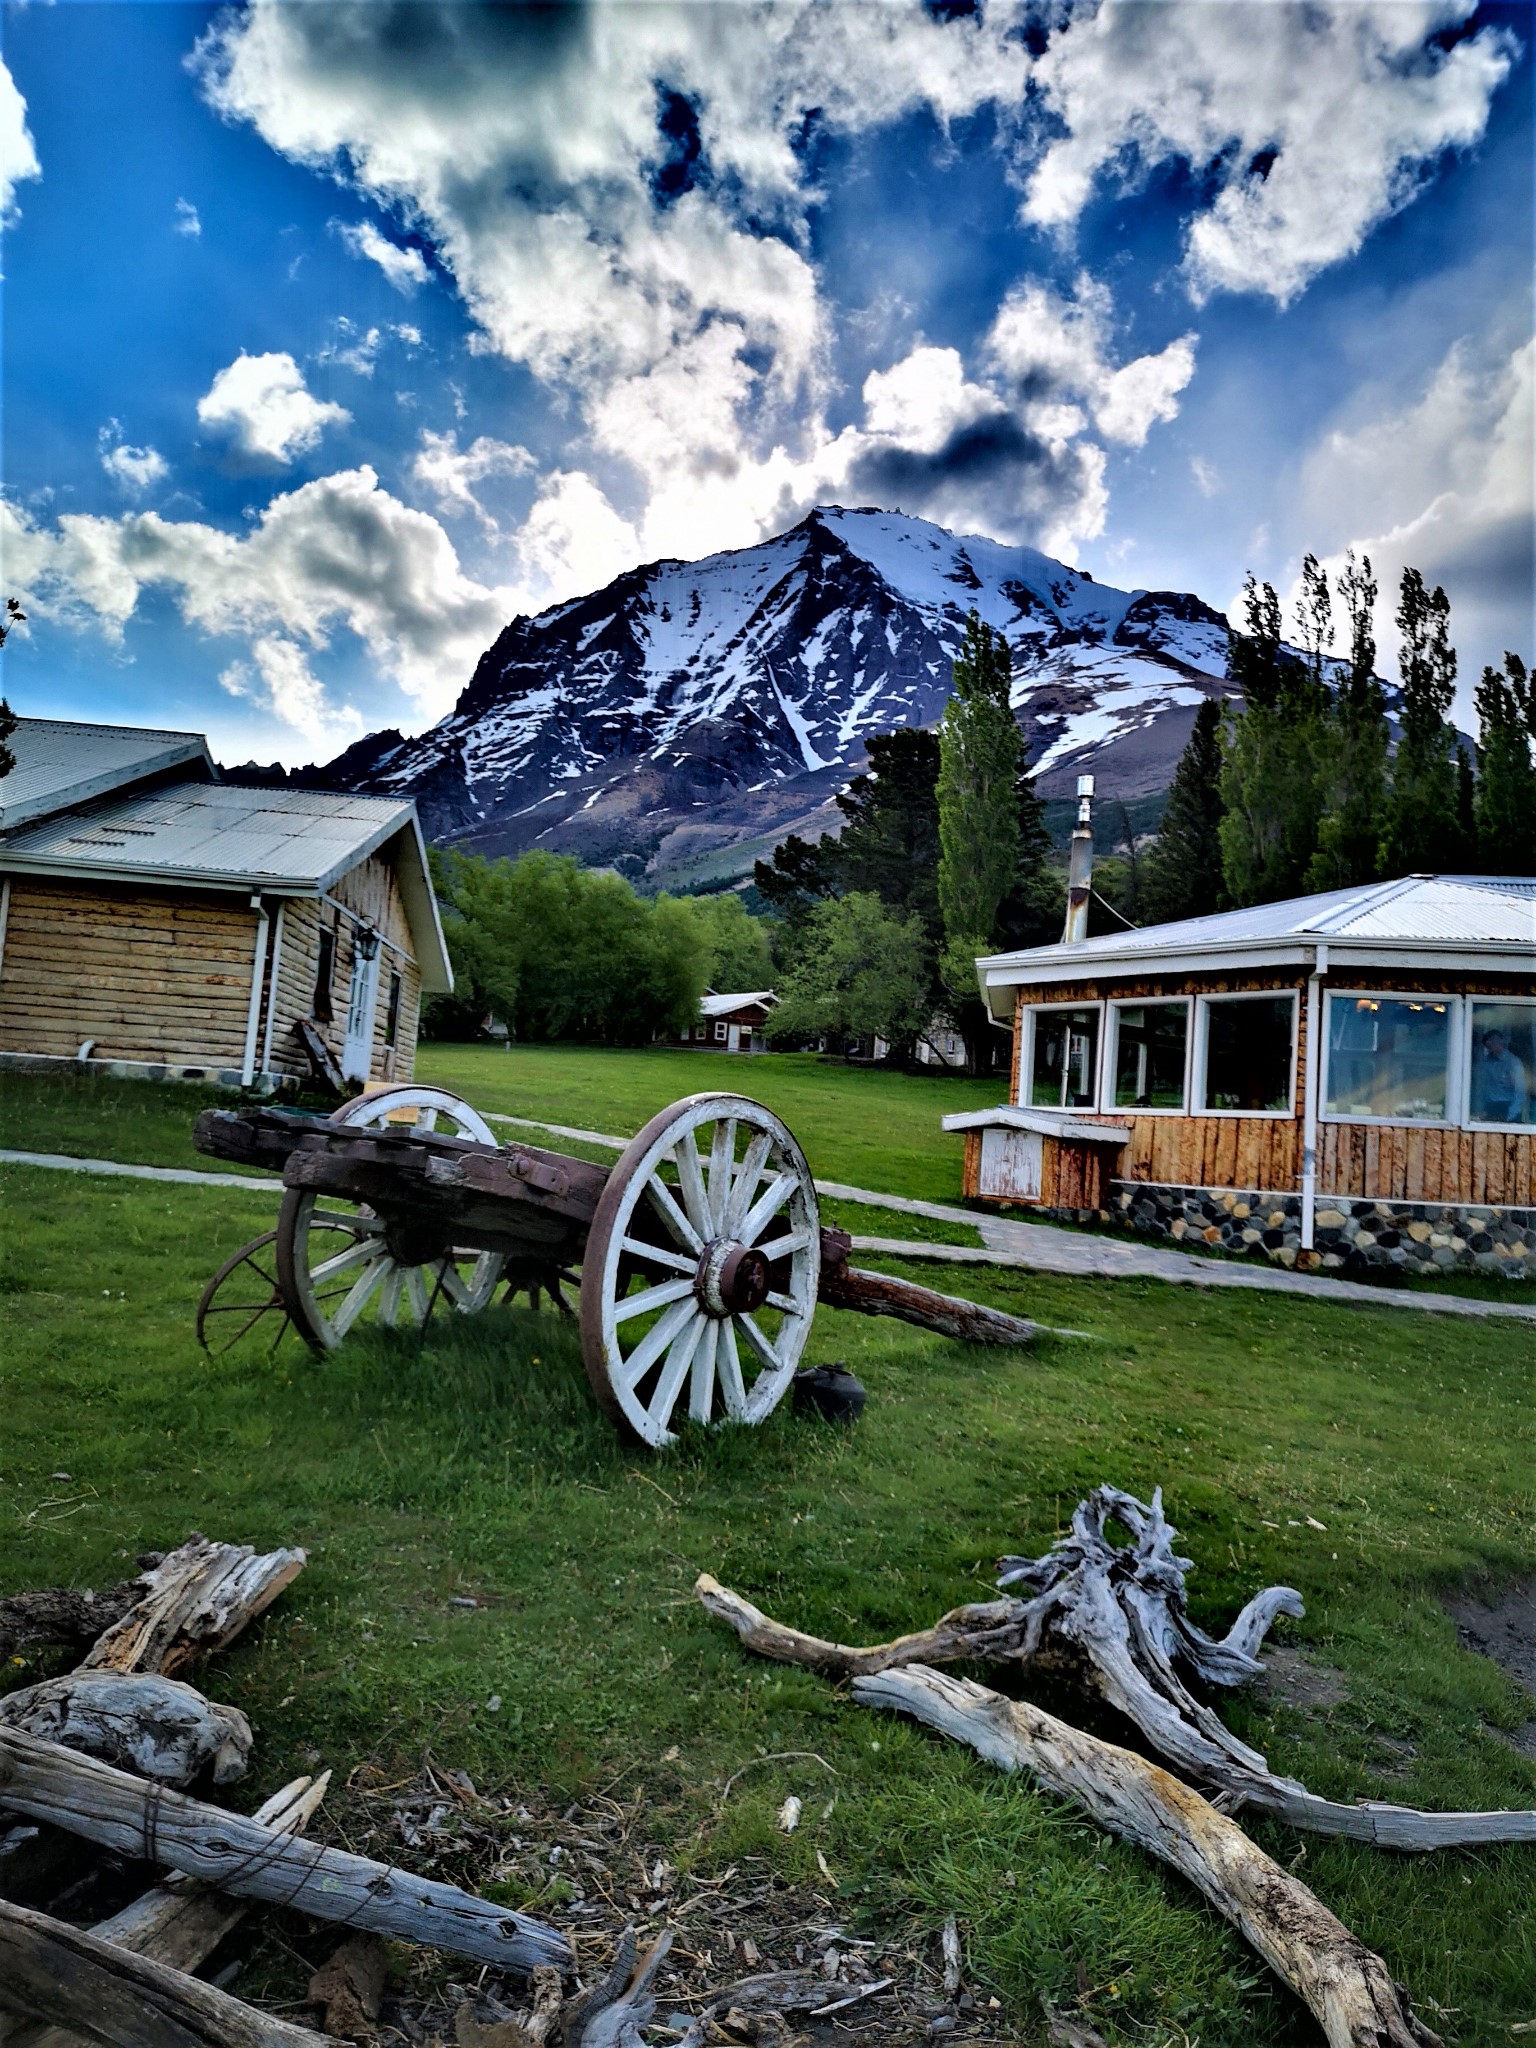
(1272, 747)
(980, 754)
(1182, 874)
(1506, 790)
(1352, 769)
(1423, 831)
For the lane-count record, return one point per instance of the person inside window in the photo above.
(1500, 1085)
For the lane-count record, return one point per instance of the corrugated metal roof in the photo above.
(61, 764)
(720, 1006)
(1454, 910)
(266, 838)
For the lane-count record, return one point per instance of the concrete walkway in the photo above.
(1025, 1247)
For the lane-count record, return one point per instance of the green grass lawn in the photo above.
(478, 1465)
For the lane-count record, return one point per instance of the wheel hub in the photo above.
(732, 1278)
(415, 1241)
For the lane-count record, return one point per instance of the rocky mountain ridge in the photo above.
(689, 714)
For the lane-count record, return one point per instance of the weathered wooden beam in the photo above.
(60, 1974)
(1346, 1985)
(195, 1601)
(43, 1782)
(880, 1294)
(156, 1727)
(962, 1634)
(180, 1922)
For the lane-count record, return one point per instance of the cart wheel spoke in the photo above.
(449, 1281)
(360, 1293)
(722, 1154)
(360, 1222)
(389, 1297)
(783, 1303)
(651, 1298)
(660, 1197)
(701, 1379)
(781, 1247)
(765, 1208)
(356, 1254)
(690, 1174)
(659, 1255)
(744, 1186)
(680, 1356)
(728, 1364)
(655, 1341)
(418, 1300)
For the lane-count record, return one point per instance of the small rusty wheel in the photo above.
(339, 1264)
(252, 1299)
(699, 1278)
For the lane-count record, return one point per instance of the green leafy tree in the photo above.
(1506, 791)
(861, 972)
(1423, 831)
(1269, 781)
(1032, 912)
(1181, 875)
(1352, 769)
(889, 844)
(802, 873)
(980, 757)
(14, 616)
(738, 952)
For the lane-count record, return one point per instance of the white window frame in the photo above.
(720, 1031)
(1030, 1011)
(1458, 1063)
(1110, 1056)
(1463, 1071)
(1201, 1040)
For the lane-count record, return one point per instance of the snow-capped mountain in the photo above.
(695, 709)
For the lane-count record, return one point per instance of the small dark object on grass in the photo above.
(830, 1391)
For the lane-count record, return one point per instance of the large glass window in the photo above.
(1388, 1057)
(1065, 1061)
(1503, 1049)
(1249, 1053)
(1149, 1055)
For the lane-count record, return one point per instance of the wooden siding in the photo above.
(150, 975)
(1361, 1162)
(164, 974)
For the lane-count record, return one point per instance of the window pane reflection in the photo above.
(1066, 1058)
(1248, 1054)
(1149, 1055)
(1503, 1039)
(1387, 1057)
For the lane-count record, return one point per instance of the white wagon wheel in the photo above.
(700, 1272)
(340, 1265)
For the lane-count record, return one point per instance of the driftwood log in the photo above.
(1116, 1615)
(1346, 1985)
(180, 1922)
(52, 1971)
(240, 1855)
(156, 1727)
(881, 1294)
(195, 1601)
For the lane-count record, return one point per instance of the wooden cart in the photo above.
(701, 1251)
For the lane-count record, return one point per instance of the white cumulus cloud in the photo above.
(1445, 484)
(18, 153)
(287, 689)
(406, 269)
(187, 221)
(262, 402)
(450, 472)
(1312, 123)
(134, 470)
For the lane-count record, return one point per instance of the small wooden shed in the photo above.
(157, 921)
(730, 1023)
(1333, 1079)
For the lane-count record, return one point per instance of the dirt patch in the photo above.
(1504, 1631)
(1293, 1679)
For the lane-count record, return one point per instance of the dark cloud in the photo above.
(993, 468)
(683, 165)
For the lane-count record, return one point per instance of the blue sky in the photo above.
(336, 334)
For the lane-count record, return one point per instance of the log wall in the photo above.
(371, 891)
(150, 975)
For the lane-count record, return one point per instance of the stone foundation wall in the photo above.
(146, 1070)
(1350, 1235)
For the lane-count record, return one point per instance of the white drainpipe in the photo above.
(277, 965)
(253, 1010)
(1309, 1099)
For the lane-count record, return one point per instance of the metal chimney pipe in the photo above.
(1080, 867)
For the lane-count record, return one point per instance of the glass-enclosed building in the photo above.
(1296, 1073)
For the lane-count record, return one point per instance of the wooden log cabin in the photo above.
(159, 922)
(1340, 1080)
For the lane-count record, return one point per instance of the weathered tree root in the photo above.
(1346, 1985)
(1116, 1614)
